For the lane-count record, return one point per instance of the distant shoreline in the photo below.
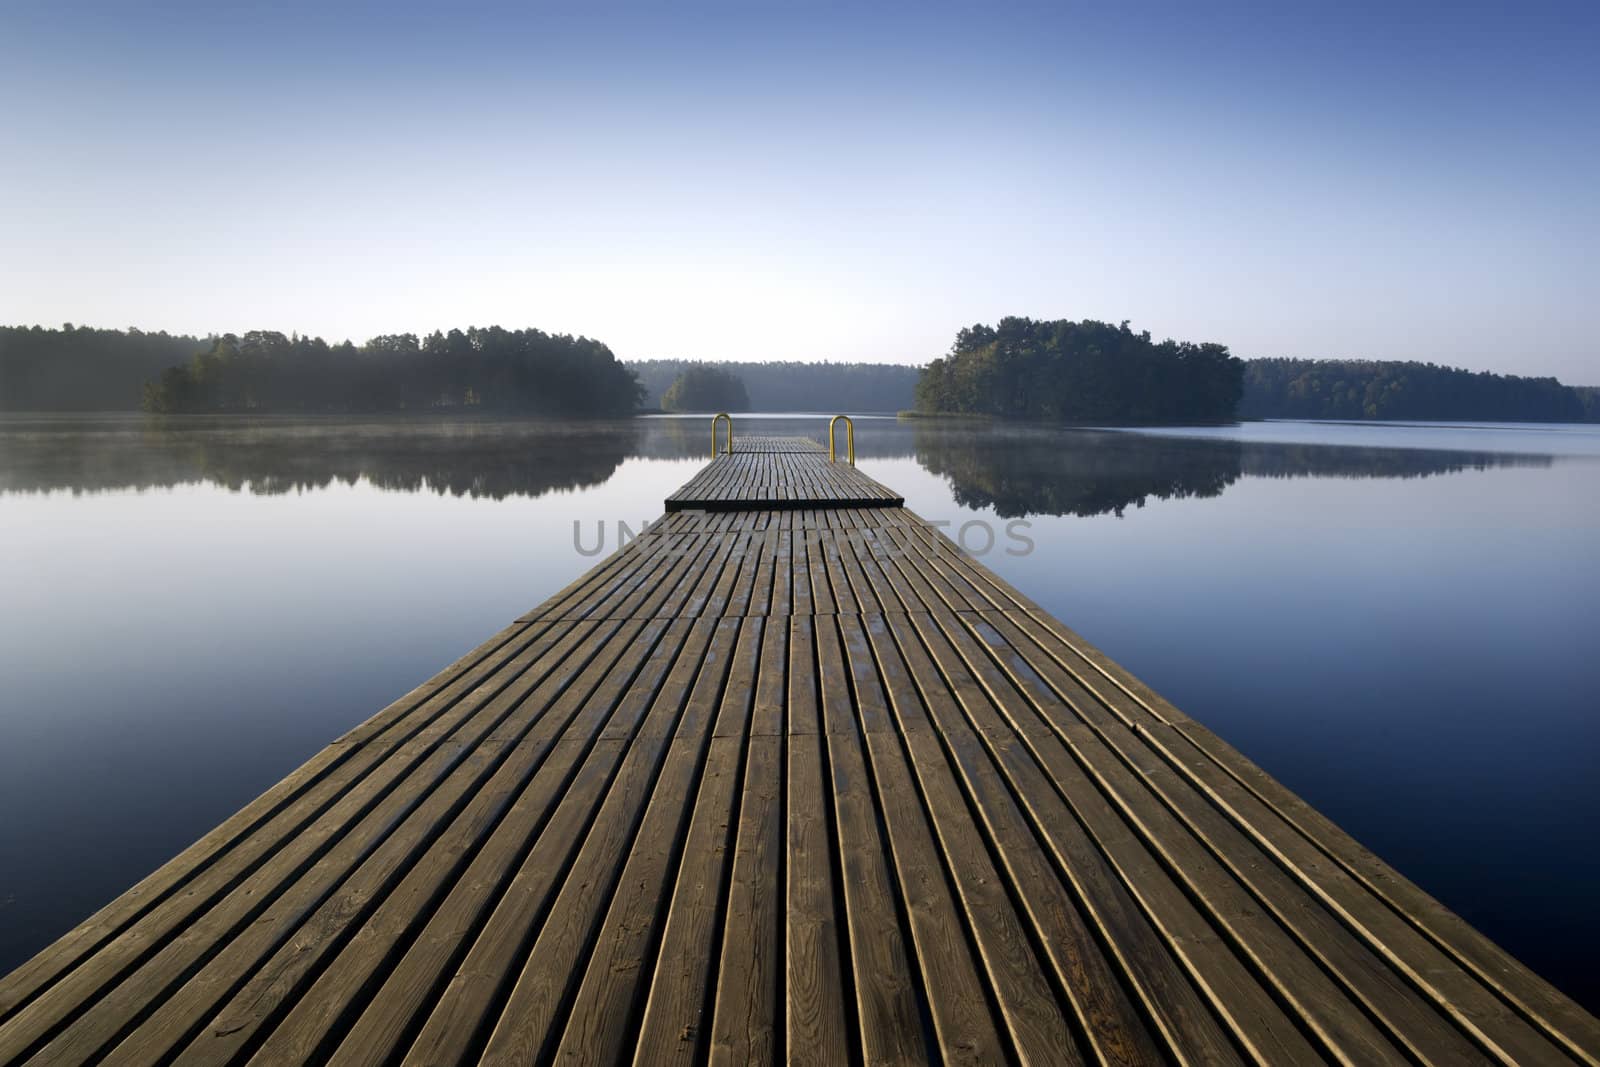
(438, 415)
(81, 370)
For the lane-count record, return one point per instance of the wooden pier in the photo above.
(787, 778)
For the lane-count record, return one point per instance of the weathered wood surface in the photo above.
(771, 785)
(785, 480)
(761, 443)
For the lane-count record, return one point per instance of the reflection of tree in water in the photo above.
(1017, 470)
(467, 457)
(1087, 473)
(1020, 472)
(476, 455)
(1270, 460)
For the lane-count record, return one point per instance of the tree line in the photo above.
(1085, 371)
(1370, 389)
(1069, 371)
(79, 368)
(488, 369)
(789, 385)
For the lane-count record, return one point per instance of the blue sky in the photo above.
(813, 181)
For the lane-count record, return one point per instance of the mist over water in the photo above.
(1396, 621)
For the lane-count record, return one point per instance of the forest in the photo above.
(488, 369)
(1086, 371)
(1368, 389)
(794, 386)
(79, 368)
(706, 387)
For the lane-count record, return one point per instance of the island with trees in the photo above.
(706, 387)
(790, 385)
(1081, 372)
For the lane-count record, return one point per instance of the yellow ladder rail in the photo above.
(850, 438)
(719, 416)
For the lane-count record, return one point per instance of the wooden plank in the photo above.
(529, 1021)
(164, 936)
(1540, 1004)
(1480, 1014)
(888, 998)
(1164, 948)
(22, 985)
(1257, 888)
(1556, 1016)
(1343, 1028)
(472, 1000)
(1084, 978)
(957, 995)
(380, 843)
(618, 968)
(818, 1021)
(535, 849)
(678, 1014)
(747, 1021)
(503, 806)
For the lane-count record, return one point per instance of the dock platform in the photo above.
(785, 779)
(779, 472)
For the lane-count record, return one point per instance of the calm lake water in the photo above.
(1402, 623)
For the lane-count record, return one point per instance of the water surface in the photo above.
(1399, 622)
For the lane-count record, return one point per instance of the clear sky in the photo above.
(808, 181)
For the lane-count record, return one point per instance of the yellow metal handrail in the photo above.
(850, 438)
(719, 416)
